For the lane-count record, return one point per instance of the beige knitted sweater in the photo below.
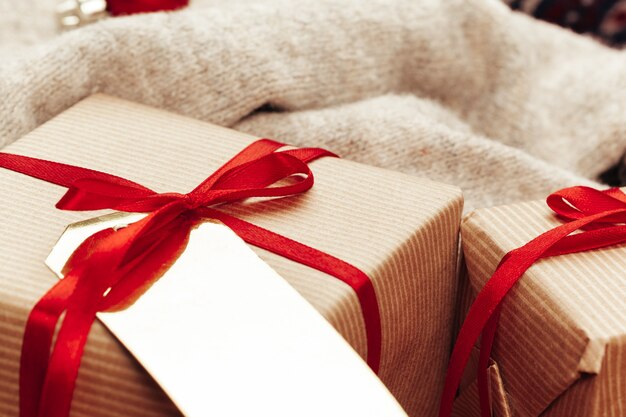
(462, 91)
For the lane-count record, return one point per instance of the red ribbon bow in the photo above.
(599, 215)
(112, 268)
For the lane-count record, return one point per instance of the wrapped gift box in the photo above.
(560, 348)
(400, 230)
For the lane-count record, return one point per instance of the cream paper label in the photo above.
(224, 335)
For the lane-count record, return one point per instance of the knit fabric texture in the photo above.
(466, 92)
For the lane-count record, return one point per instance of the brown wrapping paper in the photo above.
(560, 348)
(401, 230)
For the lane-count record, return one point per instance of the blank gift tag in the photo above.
(224, 335)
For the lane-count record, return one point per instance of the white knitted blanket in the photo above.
(461, 91)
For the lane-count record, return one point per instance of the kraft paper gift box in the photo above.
(400, 230)
(560, 346)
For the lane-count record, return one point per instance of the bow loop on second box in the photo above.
(578, 202)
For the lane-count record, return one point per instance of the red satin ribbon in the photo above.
(600, 218)
(112, 268)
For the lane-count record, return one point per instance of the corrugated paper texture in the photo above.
(560, 349)
(401, 230)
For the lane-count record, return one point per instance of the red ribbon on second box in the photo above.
(112, 268)
(599, 215)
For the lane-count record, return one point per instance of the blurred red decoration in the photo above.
(122, 7)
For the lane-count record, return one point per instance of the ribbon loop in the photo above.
(578, 202)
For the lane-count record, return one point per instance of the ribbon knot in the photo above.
(192, 202)
(112, 268)
(593, 219)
